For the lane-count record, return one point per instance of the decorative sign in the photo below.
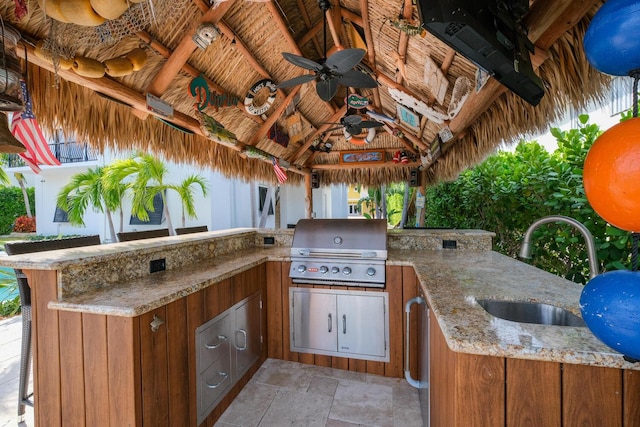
(360, 156)
(257, 110)
(408, 118)
(482, 77)
(435, 79)
(445, 134)
(199, 89)
(356, 101)
(159, 106)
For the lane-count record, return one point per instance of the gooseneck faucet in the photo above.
(525, 249)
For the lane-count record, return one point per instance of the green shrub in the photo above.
(509, 191)
(12, 206)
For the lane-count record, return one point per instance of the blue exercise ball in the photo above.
(610, 306)
(611, 42)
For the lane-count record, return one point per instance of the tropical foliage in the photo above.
(141, 177)
(508, 191)
(12, 206)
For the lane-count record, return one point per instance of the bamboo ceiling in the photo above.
(112, 111)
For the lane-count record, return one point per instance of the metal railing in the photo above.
(66, 152)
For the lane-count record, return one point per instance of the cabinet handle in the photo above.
(224, 376)
(244, 334)
(330, 323)
(407, 374)
(344, 323)
(222, 339)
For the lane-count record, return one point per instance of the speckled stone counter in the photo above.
(114, 279)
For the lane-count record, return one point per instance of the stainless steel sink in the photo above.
(530, 312)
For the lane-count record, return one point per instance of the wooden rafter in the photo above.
(186, 47)
(371, 56)
(307, 22)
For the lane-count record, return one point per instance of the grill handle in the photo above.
(320, 254)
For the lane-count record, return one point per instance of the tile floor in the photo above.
(293, 394)
(10, 339)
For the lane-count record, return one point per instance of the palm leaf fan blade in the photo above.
(296, 81)
(344, 60)
(357, 79)
(327, 89)
(302, 62)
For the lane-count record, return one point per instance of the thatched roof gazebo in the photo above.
(428, 101)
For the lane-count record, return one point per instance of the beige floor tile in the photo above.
(297, 408)
(323, 385)
(364, 403)
(250, 406)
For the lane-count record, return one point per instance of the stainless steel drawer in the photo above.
(213, 340)
(213, 384)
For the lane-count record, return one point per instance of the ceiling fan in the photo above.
(330, 72)
(354, 124)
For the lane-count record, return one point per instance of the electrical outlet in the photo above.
(449, 244)
(156, 265)
(269, 241)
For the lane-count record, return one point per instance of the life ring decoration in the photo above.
(359, 141)
(257, 110)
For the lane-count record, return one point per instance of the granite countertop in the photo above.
(451, 281)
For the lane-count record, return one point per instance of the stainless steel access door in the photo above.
(361, 324)
(315, 325)
(248, 334)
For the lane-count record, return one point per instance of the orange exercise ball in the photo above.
(612, 175)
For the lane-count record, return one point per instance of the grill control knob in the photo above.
(335, 270)
(371, 271)
(302, 269)
(346, 271)
(324, 269)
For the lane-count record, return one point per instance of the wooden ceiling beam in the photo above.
(183, 51)
(310, 35)
(371, 55)
(307, 22)
(403, 43)
(547, 20)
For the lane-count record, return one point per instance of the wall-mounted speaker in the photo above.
(414, 178)
(315, 180)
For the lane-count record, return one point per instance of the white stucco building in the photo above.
(230, 203)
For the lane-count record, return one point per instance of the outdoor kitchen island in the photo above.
(115, 344)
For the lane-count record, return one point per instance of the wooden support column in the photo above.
(308, 197)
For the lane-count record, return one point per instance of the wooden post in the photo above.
(421, 192)
(308, 198)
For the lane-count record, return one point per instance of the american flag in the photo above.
(280, 173)
(25, 128)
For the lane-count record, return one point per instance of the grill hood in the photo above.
(341, 238)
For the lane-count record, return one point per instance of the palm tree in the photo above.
(84, 189)
(4, 178)
(149, 174)
(21, 181)
(185, 190)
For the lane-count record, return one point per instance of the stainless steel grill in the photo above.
(348, 252)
